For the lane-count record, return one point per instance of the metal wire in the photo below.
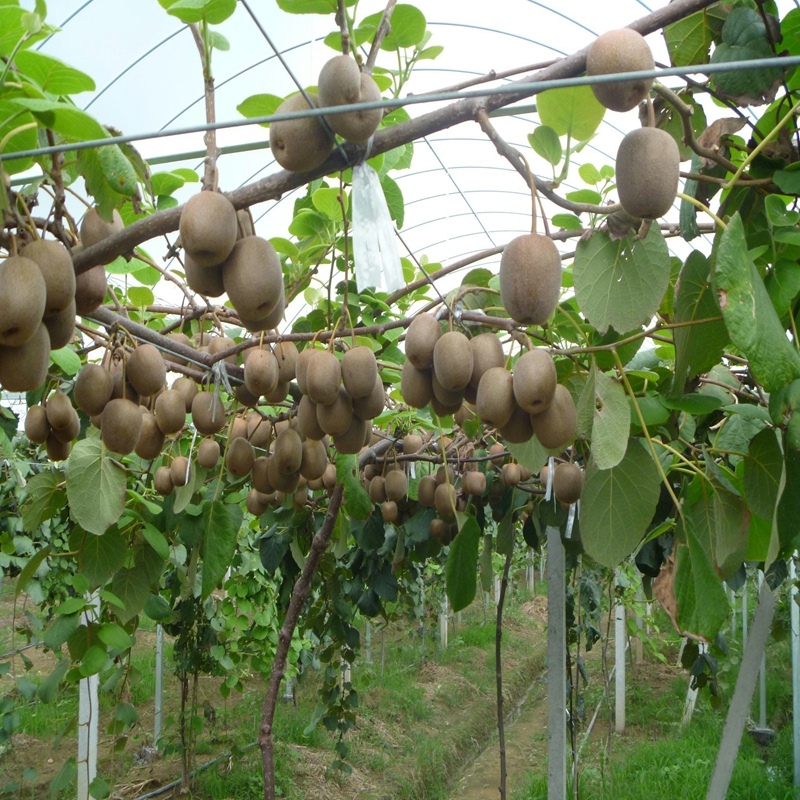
(438, 97)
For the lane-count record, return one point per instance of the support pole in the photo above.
(638, 646)
(88, 717)
(620, 641)
(159, 699)
(530, 572)
(762, 677)
(368, 642)
(744, 614)
(691, 694)
(556, 668)
(743, 694)
(443, 624)
(795, 625)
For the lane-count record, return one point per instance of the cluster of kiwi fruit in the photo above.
(302, 144)
(648, 159)
(223, 255)
(449, 370)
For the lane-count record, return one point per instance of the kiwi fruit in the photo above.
(474, 483)
(530, 278)
(61, 327)
(323, 376)
(445, 396)
(170, 408)
(465, 413)
(23, 295)
(24, 368)
(495, 403)
(377, 489)
(57, 450)
(555, 428)
(567, 482)
(445, 474)
(37, 428)
(299, 145)
(443, 409)
(544, 474)
(259, 475)
(259, 431)
(487, 352)
(498, 453)
(509, 474)
(341, 82)
(288, 453)
(208, 228)
(93, 388)
(208, 413)
(535, 380)
(120, 424)
(180, 471)
(260, 372)
(179, 338)
(307, 421)
(91, 288)
(122, 387)
(353, 439)
(162, 481)
(412, 443)
(335, 418)
(648, 171)
(421, 337)
(453, 360)
(301, 367)
(270, 321)
(151, 439)
(146, 370)
(329, 477)
(438, 528)
(314, 459)
(416, 385)
(282, 481)
(426, 491)
(94, 228)
(278, 394)
(203, 280)
(240, 457)
(208, 452)
(256, 502)
(55, 264)
(623, 50)
(444, 500)
(389, 511)
(299, 498)
(187, 388)
(286, 355)
(59, 410)
(253, 277)
(237, 429)
(396, 485)
(219, 344)
(359, 371)
(71, 430)
(519, 428)
(373, 404)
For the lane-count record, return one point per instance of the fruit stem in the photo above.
(695, 202)
(532, 185)
(651, 113)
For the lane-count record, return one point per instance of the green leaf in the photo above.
(132, 586)
(783, 284)
(29, 569)
(611, 421)
(95, 486)
(326, 201)
(93, 661)
(118, 171)
(749, 315)
(49, 686)
(67, 360)
(531, 454)
(46, 497)
(114, 636)
(407, 27)
(64, 118)
(26, 138)
(52, 75)
(259, 105)
(156, 540)
(221, 523)
(788, 512)
(99, 788)
(620, 284)
(308, 6)
(698, 347)
(762, 473)
(689, 39)
(66, 776)
(545, 143)
(357, 502)
(188, 11)
(568, 222)
(141, 296)
(574, 111)
(99, 557)
(695, 403)
(394, 200)
(461, 569)
(618, 504)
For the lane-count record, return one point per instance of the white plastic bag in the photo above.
(374, 244)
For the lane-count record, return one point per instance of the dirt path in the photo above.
(526, 748)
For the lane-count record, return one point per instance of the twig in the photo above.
(341, 21)
(384, 26)
(210, 138)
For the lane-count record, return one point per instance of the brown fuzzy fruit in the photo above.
(648, 171)
(299, 145)
(23, 294)
(55, 264)
(238, 429)
(359, 371)
(288, 453)
(253, 277)
(389, 511)
(453, 360)
(240, 457)
(307, 421)
(162, 481)
(37, 428)
(623, 50)
(260, 372)
(93, 388)
(257, 502)
(146, 370)
(509, 474)
(151, 439)
(412, 443)
(283, 481)
(61, 327)
(94, 228)
(335, 418)
(180, 339)
(396, 485)
(555, 428)
(426, 490)
(259, 476)
(203, 280)
(329, 478)
(495, 403)
(314, 459)
(341, 82)
(24, 368)
(59, 411)
(208, 452)
(444, 500)
(286, 355)
(91, 288)
(259, 430)
(208, 413)
(377, 489)
(354, 438)
(170, 409)
(373, 404)
(519, 428)
(416, 385)
(535, 380)
(301, 368)
(56, 450)
(72, 429)
(474, 483)
(180, 471)
(487, 352)
(530, 278)
(323, 376)
(187, 388)
(208, 228)
(120, 424)
(421, 337)
(567, 482)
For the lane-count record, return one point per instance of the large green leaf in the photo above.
(606, 418)
(52, 75)
(64, 118)
(29, 569)
(461, 570)
(308, 6)
(620, 284)
(188, 11)
(221, 523)
(26, 137)
(99, 557)
(749, 315)
(531, 454)
(698, 347)
(46, 497)
(407, 27)
(689, 39)
(95, 486)
(762, 473)
(357, 502)
(259, 105)
(788, 512)
(574, 111)
(132, 586)
(617, 505)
